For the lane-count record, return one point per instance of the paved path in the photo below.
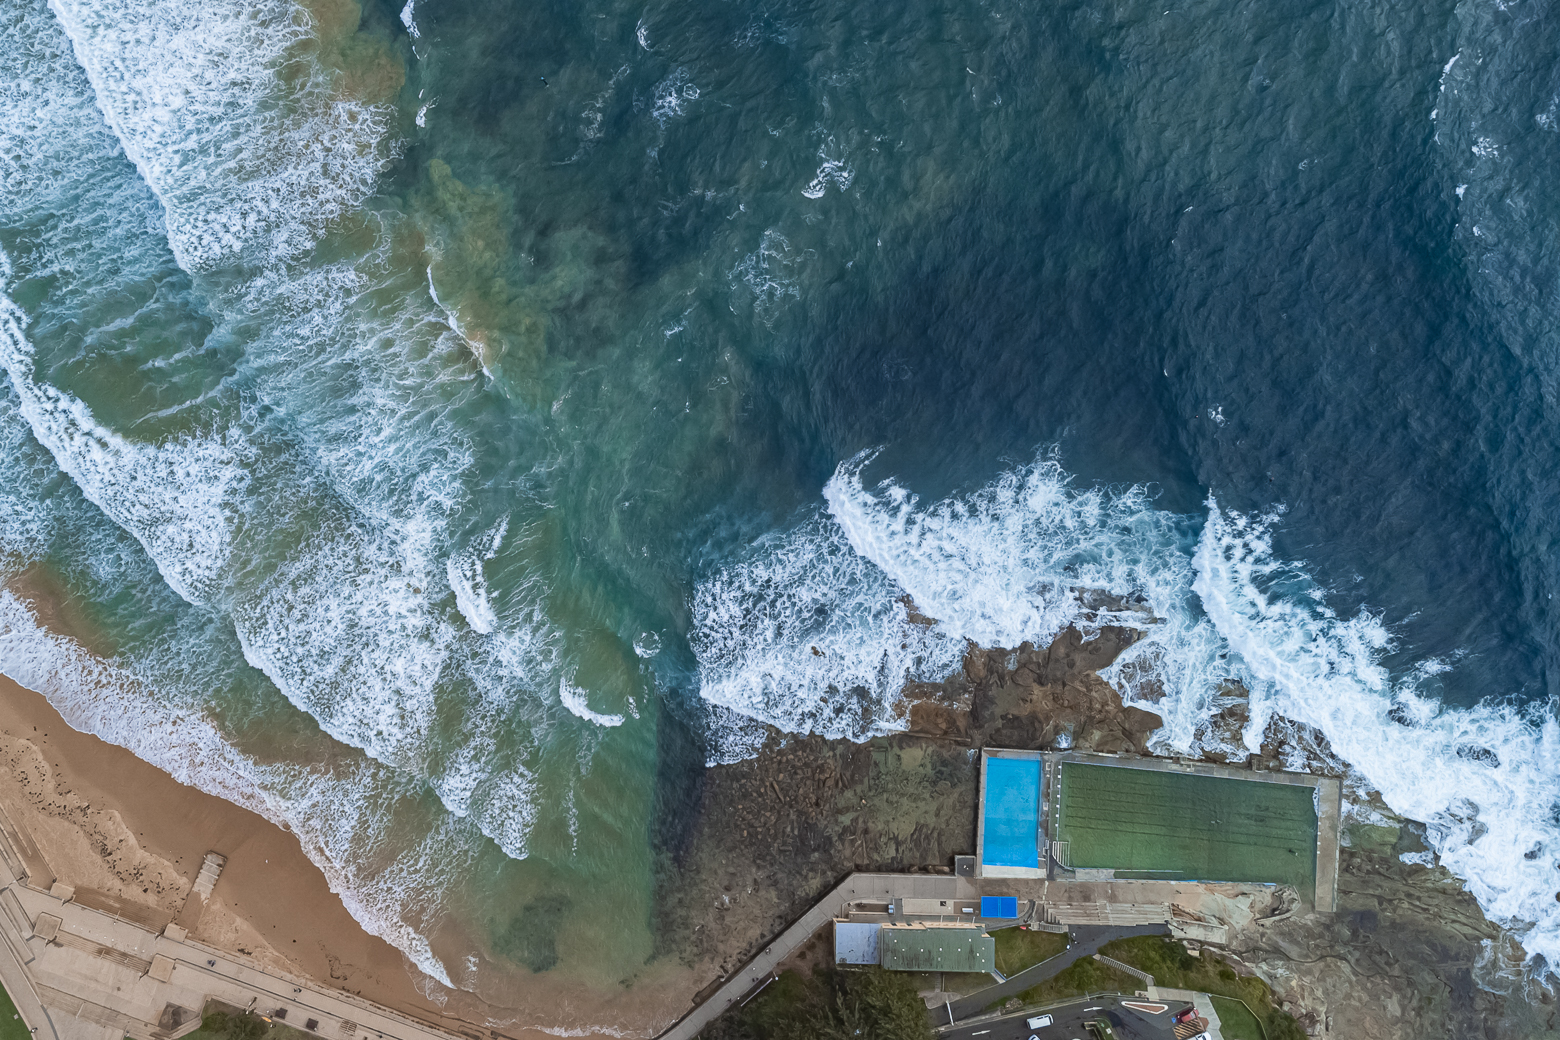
(78, 973)
(1086, 942)
(865, 887)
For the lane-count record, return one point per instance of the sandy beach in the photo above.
(105, 820)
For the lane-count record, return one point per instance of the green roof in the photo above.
(914, 948)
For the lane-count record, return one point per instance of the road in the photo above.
(1070, 1022)
(1086, 941)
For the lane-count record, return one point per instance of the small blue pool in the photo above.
(1011, 808)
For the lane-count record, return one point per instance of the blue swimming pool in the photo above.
(1011, 808)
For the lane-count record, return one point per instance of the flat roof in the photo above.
(932, 947)
(856, 942)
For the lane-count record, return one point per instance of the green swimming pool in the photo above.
(1176, 826)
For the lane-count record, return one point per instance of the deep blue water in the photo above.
(480, 386)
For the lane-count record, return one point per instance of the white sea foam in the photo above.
(731, 736)
(809, 635)
(247, 163)
(573, 698)
(1482, 779)
(346, 624)
(338, 816)
(806, 633)
(179, 499)
(767, 276)
(345, 630)
(998, 566)
(328, 550)
(469, 583)
(49, 118)
(672, 95)
(834, 170)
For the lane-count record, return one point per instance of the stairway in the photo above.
(1103, 913)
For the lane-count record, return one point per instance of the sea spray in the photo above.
(340, 818)
(808, 633)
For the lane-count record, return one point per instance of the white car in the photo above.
(1039, 1021)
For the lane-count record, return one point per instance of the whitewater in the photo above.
(384, 445)
(1006, 564)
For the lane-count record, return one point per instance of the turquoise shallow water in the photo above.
(465, 421)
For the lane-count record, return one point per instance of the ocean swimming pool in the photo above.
(1010, 813)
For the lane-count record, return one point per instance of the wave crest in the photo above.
(809, 633)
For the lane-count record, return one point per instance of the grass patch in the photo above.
(965, 982)
(1236, 1022)
(11, 1027)
(1172, 966)
(1018, 949)
(1084, 976)
(961, 982)
(223, 1022)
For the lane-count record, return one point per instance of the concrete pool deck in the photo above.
(1329, 797)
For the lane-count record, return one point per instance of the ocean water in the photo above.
(457, 421)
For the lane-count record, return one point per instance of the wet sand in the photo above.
(267, 884)
(108, 821)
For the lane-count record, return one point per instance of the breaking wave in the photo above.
(325, 537)
(573, 698)
(190, 90)
(811, 632)
(341, 817)
(180, 500)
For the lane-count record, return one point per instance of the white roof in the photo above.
(855, 942)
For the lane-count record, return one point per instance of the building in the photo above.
(927, 946)
(921, 946)
(856, 942)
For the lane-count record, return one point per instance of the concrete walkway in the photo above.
(78, 973)
(858, 887)
(1086, 942)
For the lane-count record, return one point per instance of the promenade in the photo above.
(112, 969)
(80, 973)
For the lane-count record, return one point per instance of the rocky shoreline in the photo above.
(1408, 955)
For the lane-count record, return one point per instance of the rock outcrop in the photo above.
(1408, 955)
